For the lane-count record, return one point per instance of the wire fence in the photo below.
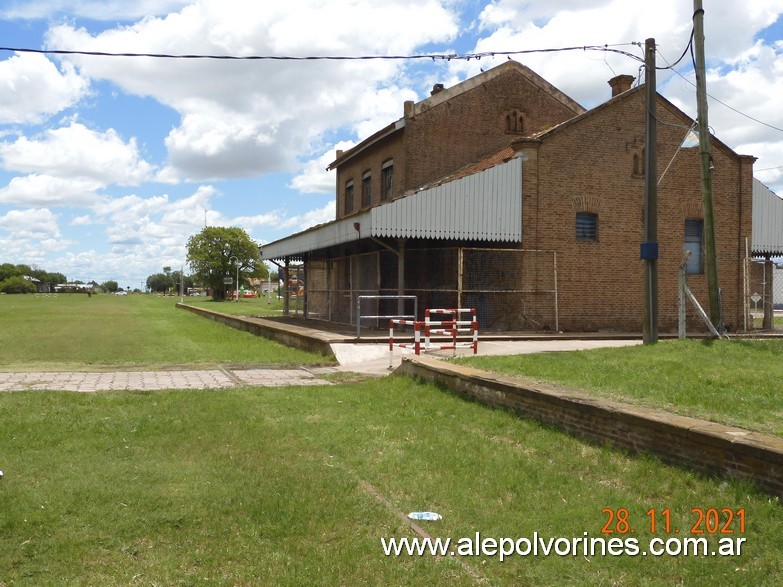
(510, 289)
(765, 293)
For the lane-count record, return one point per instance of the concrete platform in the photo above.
(368, 355)
(373, 358)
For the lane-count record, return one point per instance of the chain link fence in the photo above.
(765, 290)
(510, 289)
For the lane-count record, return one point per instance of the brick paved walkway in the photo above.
(157, 380)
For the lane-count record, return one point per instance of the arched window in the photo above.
(348, 197)
(387, 179)
(515, 122)
(366, 189)
(638, 163)
(694, 244)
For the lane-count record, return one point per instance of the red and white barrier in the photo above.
(453, 328)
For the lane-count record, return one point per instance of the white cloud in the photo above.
(34, 223)
(314, 178)
(46, 190)
(249, 118)
(85, 220)
(31, 235)
(546, 24)
(68, 166)
(77, 152)
(743, 72)
(246, 118)
(311, 218)
(133, 223)
(35, 89)
(94, 9)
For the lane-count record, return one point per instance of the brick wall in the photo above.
(589, 166)
(480, 116)
(474, 123)
(687, 442)
(372, 159)
(591, 163)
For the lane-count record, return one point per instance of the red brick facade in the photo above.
(589, 164)
(453, 128)
(575, 161)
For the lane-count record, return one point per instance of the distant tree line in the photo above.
(24, 279)
(169, 281)
(218, 256)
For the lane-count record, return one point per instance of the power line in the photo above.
(748, 116)
(431, 56)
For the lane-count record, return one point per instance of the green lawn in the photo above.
(245, 306)
(736, 382)
(297, 486)
(73, 332)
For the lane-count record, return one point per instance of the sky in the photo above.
(109, 164)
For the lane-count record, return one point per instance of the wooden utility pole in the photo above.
(649, 248)
(710, 249)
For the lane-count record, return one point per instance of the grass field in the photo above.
(245, 306)
(298, 486)
(74, 332)
(735, 382)
(281, 487)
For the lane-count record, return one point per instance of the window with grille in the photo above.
(694, 243)
(349, 197)
(586, 226)
(366, 190)
(387, 177)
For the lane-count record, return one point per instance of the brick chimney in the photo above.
(620, 84)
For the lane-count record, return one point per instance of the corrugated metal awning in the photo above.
(767, 230)
(485, 206)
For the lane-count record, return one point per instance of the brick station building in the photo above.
(503, 194)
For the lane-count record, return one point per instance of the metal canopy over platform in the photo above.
(767, 232)
(484, 206)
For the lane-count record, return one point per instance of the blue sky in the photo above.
(109, 164)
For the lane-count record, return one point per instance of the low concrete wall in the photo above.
(293, 336)
(687, 442)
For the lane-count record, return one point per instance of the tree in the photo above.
(17, 284)
(8, 270)
(110, 286)
(159, 282)
(54, 279)
(210, 255)
(178, 278)
(260, 271)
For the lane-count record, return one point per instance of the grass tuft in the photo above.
(734, 382)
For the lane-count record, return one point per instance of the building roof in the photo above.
(767, 221)
(446, 94)
(485, 205)
(485, 76)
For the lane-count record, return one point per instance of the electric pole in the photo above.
(649, 248)
(710, 249)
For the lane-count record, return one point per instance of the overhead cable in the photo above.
(431, 56)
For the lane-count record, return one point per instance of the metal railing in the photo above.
(360, 317)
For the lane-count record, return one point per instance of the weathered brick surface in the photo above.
(588, 165)
(686, 442)
(578, 162)
(440, 136)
